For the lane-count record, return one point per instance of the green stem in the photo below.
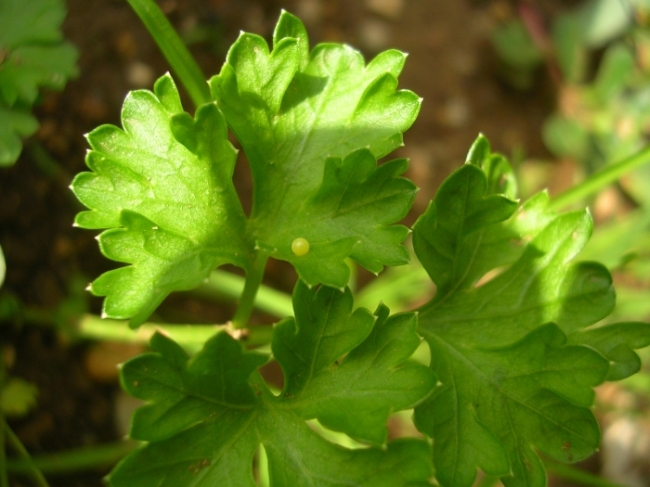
(253, 282)
(174, 50)
(86, 458)
(17, 445)
(578, 476)
(597, 181)
(224, 284)
(190, 337)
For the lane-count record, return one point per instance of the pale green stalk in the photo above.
(598, 181)
(190, 337)
(253, 281)
(226, 284)
(171, 45)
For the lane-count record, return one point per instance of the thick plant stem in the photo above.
(225, 284)
(598, 181)
(253, 281)
(16, 444)
(172, 47)
(190, 337)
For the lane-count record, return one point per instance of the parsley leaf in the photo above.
(506, 333)
(207, 415)
(312, 126)
(163, 186)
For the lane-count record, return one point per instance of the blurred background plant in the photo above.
(598, 57)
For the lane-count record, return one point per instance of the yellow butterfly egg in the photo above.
(300, 246)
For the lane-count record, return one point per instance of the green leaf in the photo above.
(206, 416)
(448, 234)
(355, 395)
(497, 328)
(32, 52)
(617, 343)
(615, 71)
(501, 404)
(32, 56)
(312, 126)
(15, 123)
(163, 187)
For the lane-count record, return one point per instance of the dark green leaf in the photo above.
(355, 394)
(512, 382)
(207, 415)
(617, 343)
(447, 236)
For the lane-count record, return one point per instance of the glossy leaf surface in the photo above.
(163, 187)
(508, 296)
(312, 126)
(206, 416)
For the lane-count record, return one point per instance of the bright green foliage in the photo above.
(312, 126)
(512, 381)
(514, 355)
(164, 186)
(207, 415)
(32, 55)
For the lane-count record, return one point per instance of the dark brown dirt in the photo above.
(451, 66)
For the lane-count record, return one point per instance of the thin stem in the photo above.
(253, 282)
(597, 181)
(578, 476)
(86, 458)
(17, 445)
(174, 50)
(190, 337)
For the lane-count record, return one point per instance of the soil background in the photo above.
(451, 65)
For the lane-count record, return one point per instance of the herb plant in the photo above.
(512, 328)
(33, 55)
